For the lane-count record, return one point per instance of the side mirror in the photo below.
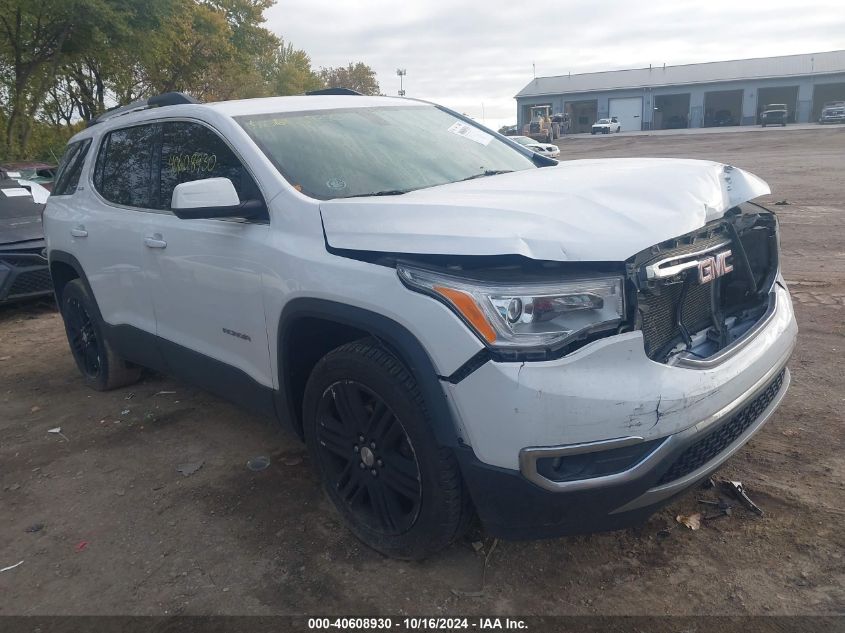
(212, 198)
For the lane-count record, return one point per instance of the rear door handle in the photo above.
(79, 231)
(155, 241)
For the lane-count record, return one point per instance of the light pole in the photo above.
(401, 72)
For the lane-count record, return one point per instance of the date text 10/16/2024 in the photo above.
(416, 624)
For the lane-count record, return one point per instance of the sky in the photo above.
(475, 56)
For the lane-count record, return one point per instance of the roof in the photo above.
(241, 107)
(710, 72)
(269, 105)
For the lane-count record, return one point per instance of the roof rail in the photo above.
(166, 99)
(334, 91)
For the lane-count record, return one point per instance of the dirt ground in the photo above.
(104, 523)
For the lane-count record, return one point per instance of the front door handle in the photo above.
(155, 241)
(79, 231)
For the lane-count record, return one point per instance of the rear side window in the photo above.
(123, 171)
(190, 151)
(70, 167)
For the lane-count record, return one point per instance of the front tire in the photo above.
(370, 436)
(98, 362)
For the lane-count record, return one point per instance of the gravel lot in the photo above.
(104, 523)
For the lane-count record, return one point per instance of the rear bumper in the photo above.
(512, 506)
(23, 275)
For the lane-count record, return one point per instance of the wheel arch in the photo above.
(64, 268)
(318, 326)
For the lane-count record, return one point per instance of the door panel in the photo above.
(207, 293)
(107, 234)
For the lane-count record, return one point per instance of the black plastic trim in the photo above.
(153, 352)
(248, 209)
(511, 507)
(334, 91)
(171, 98)
(468, 368)
(393, 335)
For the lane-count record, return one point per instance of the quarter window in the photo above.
(190, 151)
(70, 167)
(123, 171)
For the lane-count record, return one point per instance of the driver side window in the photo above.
(190, 151)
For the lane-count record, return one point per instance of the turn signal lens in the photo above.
(469, 309)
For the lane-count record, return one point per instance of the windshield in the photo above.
(600, 121)
(385, 150)
(524, 140)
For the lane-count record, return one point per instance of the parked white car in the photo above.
(546, 149)
(606, 126)
(452, 322)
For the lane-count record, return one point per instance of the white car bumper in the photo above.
(610, 390)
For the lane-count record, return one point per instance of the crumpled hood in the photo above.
(581, 210)
(20, 216)
(19, 230)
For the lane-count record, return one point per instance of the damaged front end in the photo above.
(700, 295)
(24, 273)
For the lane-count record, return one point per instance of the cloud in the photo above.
(465, 54)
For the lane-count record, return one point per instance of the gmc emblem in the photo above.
(711, 268)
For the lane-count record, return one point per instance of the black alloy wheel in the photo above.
(82, 336)
(367, 457)
(371, 439)
(99, 362)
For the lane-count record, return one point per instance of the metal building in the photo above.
(692, 95)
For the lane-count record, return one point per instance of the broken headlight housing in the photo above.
(528, 315)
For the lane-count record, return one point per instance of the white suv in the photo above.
(453, 323)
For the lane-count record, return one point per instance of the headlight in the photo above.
(525, 315)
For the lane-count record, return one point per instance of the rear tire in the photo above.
(370, 436)
(98, 362)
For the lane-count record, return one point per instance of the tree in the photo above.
(358, 77)
(64, 62)
(37, 37)
(290, 72)
(33, 38)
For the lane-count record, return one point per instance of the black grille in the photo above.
(712, 444)
(672, 309)
(658, 302)
(31, 282)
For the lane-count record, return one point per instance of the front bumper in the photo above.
(604, 395)
(24, 274)
(512, 507)
(833, 119)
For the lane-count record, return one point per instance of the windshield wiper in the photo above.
(489, 172)
(386, 192)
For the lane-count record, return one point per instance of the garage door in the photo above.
(629, 113)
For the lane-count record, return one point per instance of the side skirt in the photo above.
(166, 357)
